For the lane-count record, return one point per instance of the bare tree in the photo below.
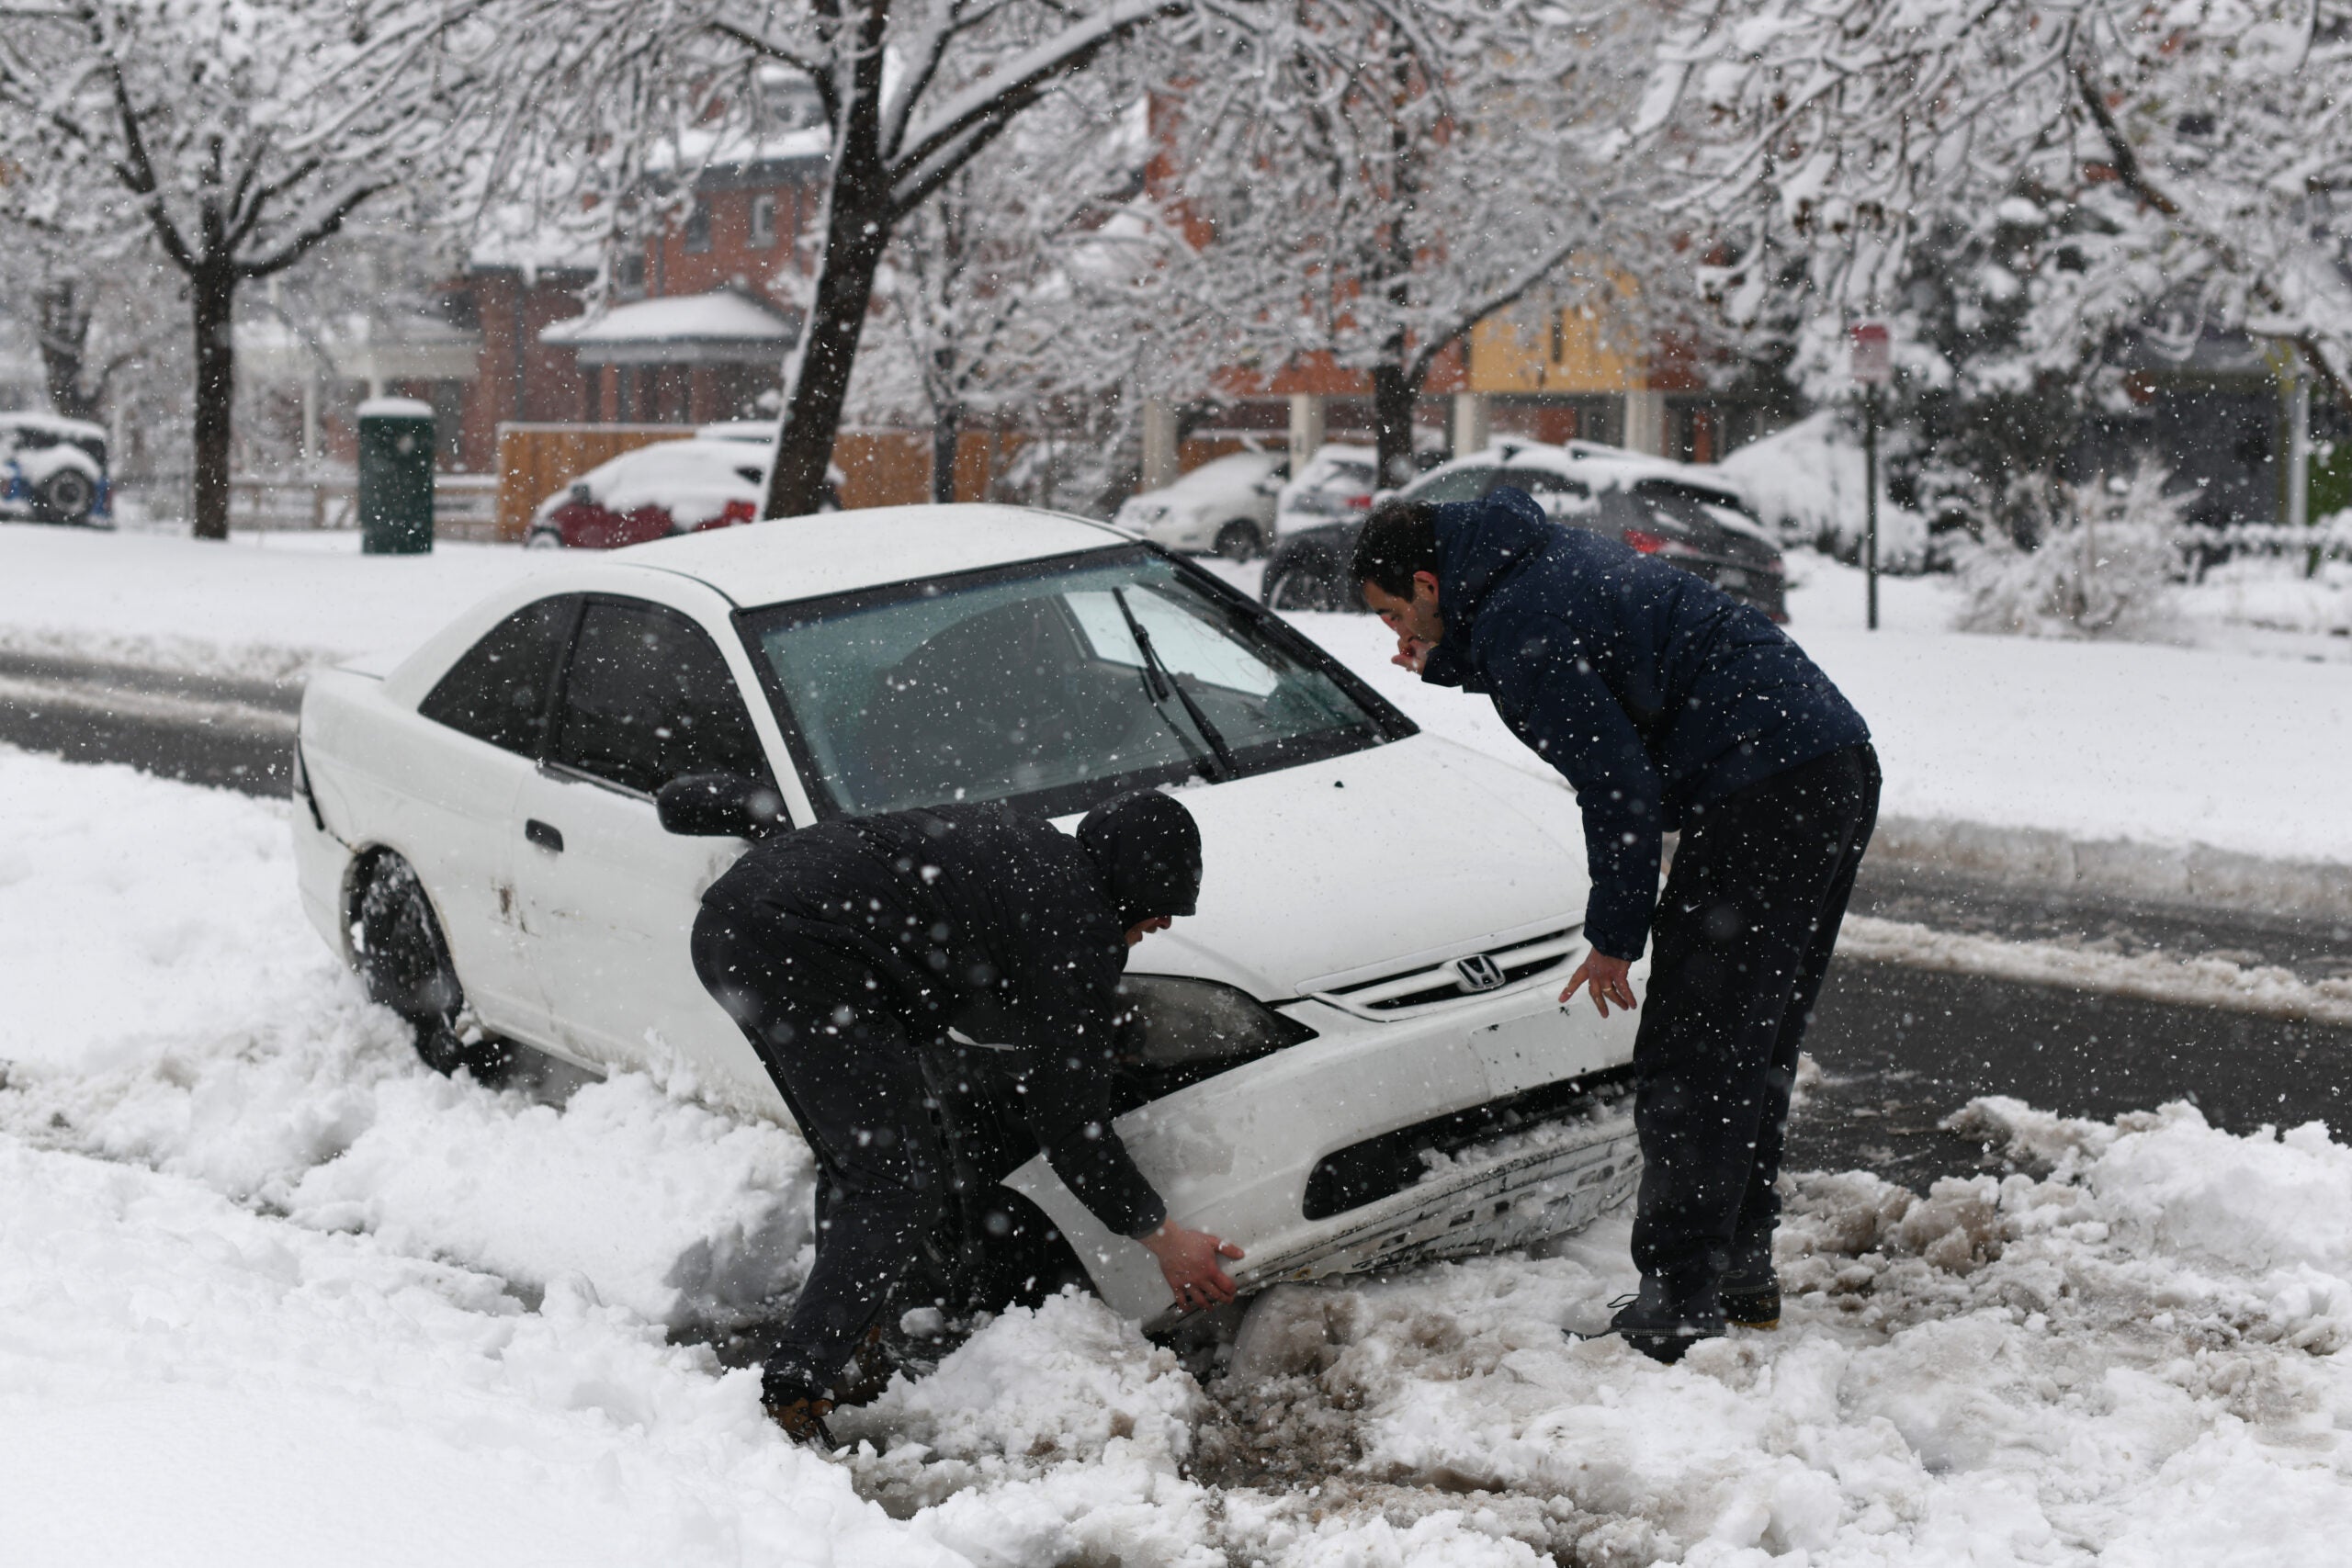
(634, 92)
(1398, 175)
(231, 136)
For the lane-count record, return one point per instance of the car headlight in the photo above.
(1172, 1021)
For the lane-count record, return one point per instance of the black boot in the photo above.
(1662, 1324)
(1750, 1291)
(797, 1407)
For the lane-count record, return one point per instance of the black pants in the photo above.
(833, 1034)
(1743, 937)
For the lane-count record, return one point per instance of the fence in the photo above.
(464, 505)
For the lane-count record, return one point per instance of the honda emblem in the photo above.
(1478, 971)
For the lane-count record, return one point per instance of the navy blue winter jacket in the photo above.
(1653, 691)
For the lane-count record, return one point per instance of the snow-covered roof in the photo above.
(836, 552)
(54, 427)
(724, 325)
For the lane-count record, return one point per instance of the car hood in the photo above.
(1408, 853)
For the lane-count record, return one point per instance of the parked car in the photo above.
(1337, 482)
(53, 471)
(1225, 506)
(507, 832)
(1677, 511)
(714, 479)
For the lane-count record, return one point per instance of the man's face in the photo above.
(1416, 618)
(1141, 929)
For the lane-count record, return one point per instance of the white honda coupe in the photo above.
(1350, 1057)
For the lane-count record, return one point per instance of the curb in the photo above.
(2187, 876)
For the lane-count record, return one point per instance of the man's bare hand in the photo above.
(1411, 652)
(1188, 1261)
(1606, 977)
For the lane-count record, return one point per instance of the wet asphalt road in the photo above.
(1899, 1048)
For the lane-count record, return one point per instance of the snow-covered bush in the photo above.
(1805, 482)
(2106, 564)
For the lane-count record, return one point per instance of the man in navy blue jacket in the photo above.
(1669, 706)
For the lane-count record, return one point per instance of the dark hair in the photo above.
(1398, 539)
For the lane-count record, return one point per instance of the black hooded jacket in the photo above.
(1655, 692)
(974, 913)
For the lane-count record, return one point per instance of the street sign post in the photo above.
(1872, 365)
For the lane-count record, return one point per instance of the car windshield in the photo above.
(1030, 684)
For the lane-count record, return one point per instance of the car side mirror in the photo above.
(582, 496)
(705, 805)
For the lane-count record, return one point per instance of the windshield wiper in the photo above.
(1158, 683)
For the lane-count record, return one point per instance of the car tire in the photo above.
(544, 539)
(1238, 540)
(397, 943)
(68, 495)
(1302, 585)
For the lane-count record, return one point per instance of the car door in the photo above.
(608, 898)
(490, 711)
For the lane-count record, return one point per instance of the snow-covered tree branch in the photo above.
(231, 138)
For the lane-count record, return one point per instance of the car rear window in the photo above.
(498, 690)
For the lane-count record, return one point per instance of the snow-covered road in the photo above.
(270, 1292)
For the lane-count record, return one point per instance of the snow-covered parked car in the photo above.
(669, 487)
(1684, 514)
(53, 469)
(1225, 506)
(1336, 483)
(508, 831)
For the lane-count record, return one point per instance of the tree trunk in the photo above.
(857, 231)
(213, 290)
(63, 326)
(1393, 393)
(946, 426)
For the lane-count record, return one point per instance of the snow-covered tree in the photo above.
(910, 90)
(2189, 155)
(1396, 174)
(986, 304)
(229, 137)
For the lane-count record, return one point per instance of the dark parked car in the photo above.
(53, 471)
(1673, 511)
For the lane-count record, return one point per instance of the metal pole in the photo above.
(1869, 499)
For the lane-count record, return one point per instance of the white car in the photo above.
(1335, 485)
(1352, 1055)
(1226, 507)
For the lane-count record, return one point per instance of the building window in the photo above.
(628, 271)
(763, 221)
(698, 229)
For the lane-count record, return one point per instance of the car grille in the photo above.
(1382, 1166)
(1438, 985)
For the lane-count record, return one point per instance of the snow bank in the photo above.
(1807, 482)
(262, 606)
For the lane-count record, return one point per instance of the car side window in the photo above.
(1461, 484)
(647, 698)
(498, 690)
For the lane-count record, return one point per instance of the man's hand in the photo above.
(1411, 652)
(1606, 976)
(1188, 1261)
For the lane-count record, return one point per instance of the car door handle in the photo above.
(544, 834)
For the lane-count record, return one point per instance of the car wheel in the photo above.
(544, 539)
(69, 496)
(1302, 586)
(406, 966)
(1238, 540)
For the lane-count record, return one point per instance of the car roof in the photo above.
(839, 552)
(1591, 460)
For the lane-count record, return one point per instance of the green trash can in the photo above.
(395, 477)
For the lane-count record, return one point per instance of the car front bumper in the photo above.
(1233, 1154)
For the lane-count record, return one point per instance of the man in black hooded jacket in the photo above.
(1668, 705)
(843, 947)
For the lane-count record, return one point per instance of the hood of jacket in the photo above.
(1478, 543)
(1148, 849)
